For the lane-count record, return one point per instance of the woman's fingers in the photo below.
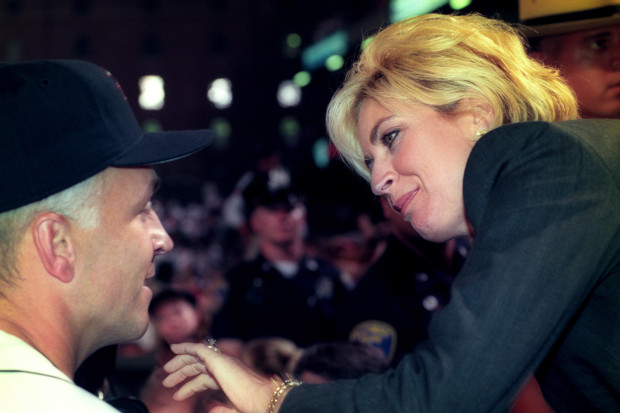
(196, 385)
(202, 367)
(192, 349)
(189, 369)
(181, 368)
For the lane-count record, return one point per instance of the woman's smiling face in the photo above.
(417, 161)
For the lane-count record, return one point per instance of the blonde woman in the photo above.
(463, 134)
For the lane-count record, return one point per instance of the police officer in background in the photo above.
(581, 38)
(281, 292)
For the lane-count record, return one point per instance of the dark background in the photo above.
(190, 43)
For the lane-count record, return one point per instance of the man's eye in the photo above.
(599, 44)
(147, 210)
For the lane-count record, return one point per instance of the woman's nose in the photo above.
(382, 178)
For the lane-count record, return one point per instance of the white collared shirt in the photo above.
(29, 382)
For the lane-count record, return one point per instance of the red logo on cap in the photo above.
(118, 85)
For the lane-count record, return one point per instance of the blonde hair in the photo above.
(438, 60)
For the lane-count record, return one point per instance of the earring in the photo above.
(480, 133)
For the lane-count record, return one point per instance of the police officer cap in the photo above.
(271, 189)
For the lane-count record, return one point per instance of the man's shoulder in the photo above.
(16, 354)
(30, 382)
(25, 392)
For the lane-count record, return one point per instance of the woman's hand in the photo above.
(200, 367)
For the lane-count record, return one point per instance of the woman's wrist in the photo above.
(280, 393)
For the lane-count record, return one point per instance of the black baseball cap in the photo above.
(63, 121)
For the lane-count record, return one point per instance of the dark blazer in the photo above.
(540, 291)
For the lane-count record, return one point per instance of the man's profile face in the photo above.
(590, 62)
(116, 257)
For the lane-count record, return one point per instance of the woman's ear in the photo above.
(51, 235)
(482, 112)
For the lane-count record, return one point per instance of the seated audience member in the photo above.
(282, 292)
(329, 361)
(175, 319)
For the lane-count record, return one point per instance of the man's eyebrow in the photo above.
(153, 186)
(598, 35)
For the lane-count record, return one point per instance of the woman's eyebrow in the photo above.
(374, 133)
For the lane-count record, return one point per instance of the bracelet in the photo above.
(284, 387)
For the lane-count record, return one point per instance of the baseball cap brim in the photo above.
(64, 121)
(159, 147)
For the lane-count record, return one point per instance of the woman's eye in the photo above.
(388, 138)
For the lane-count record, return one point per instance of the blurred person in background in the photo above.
(335, 360)
(175, 319)
(281, 292)
(582, 39)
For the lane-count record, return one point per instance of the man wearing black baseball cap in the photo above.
(582, 39)
(78, 235)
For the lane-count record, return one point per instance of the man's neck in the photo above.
(36, 331)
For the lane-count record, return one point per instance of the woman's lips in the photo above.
(401, 203)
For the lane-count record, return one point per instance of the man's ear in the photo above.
(54, 245)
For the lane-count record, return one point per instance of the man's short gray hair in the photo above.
(80, 203)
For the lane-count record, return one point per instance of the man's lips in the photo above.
(151, 272)
(402, 202)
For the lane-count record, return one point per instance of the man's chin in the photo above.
(138, 332)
